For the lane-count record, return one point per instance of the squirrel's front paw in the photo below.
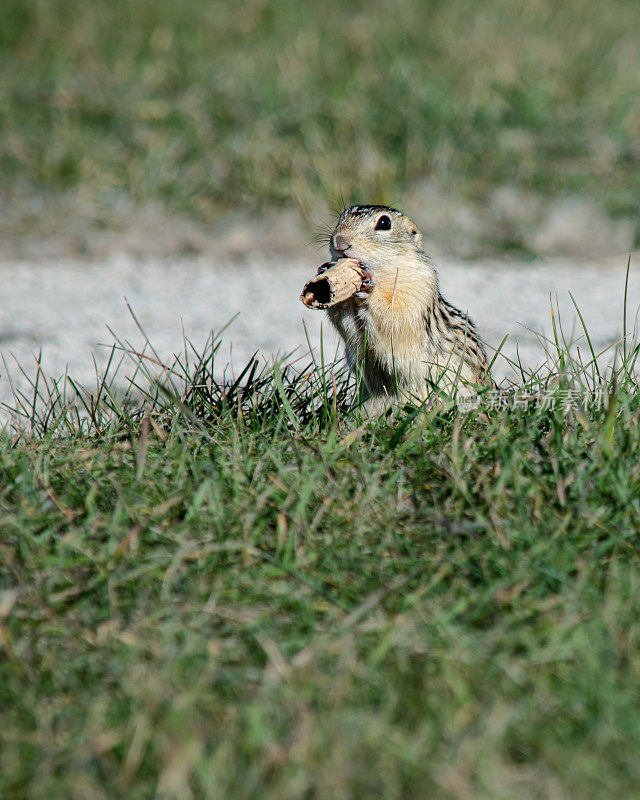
(324, 267)
(367, 284)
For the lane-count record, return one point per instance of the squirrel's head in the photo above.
(376, 236)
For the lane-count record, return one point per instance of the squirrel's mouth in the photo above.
(336, 255)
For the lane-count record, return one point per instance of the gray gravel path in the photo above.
(65, 305)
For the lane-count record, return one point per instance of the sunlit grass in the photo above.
(238, 588)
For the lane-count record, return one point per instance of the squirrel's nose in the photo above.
(341, 242)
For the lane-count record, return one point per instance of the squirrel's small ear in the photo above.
(412, 228)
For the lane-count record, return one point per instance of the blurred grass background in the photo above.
(210, 105)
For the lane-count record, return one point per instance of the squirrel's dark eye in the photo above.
(383, 223)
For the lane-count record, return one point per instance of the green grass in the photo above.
(234, 592)
(204, 105)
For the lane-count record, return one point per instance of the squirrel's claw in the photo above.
(367, 284)
(324, 267)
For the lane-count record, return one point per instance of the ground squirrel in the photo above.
(400, 334)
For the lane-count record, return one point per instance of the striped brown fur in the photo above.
(401, 335)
